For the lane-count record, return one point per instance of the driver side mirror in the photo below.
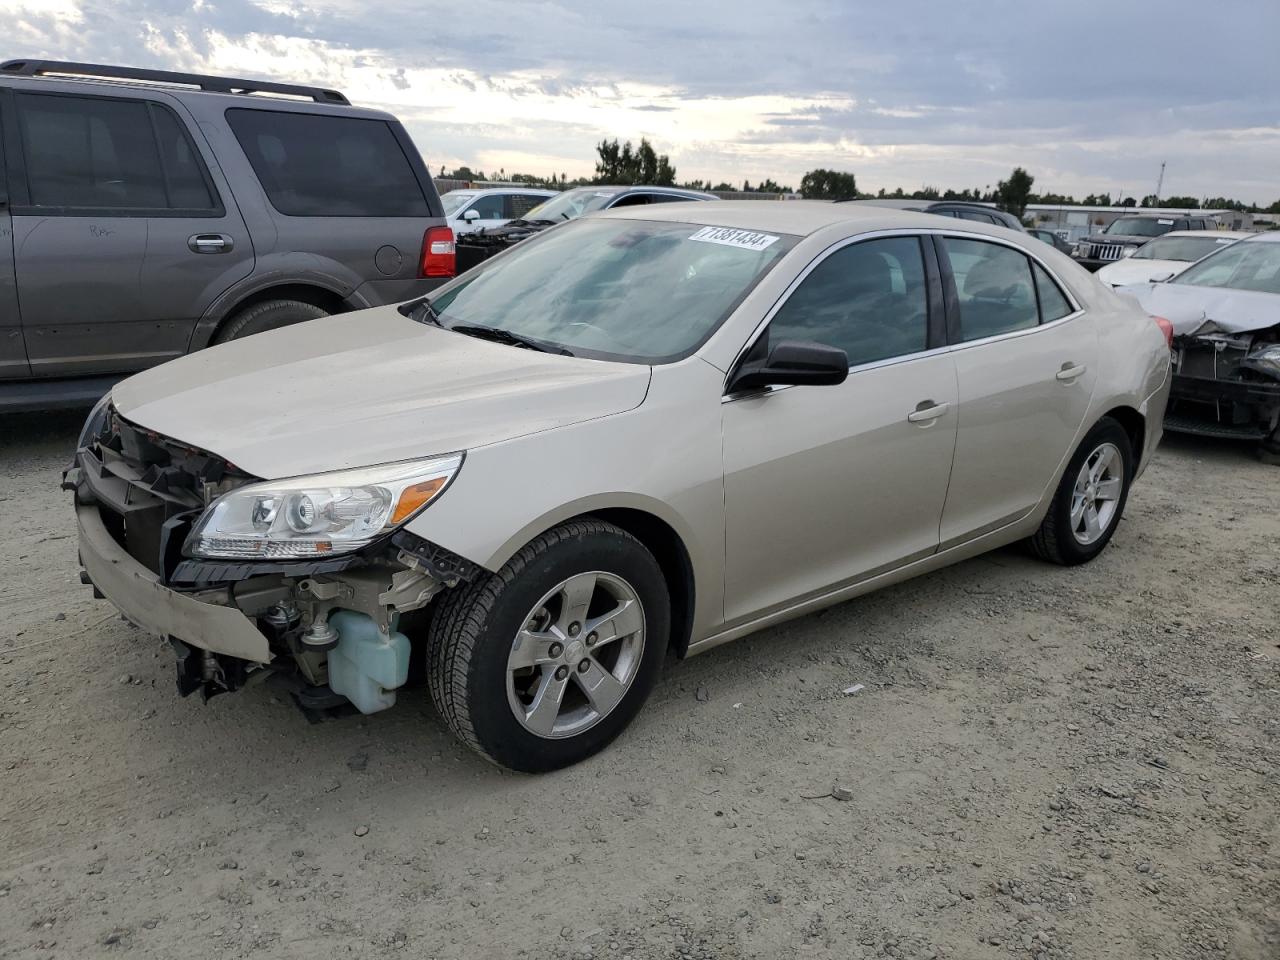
(794, 363)
(471, 216)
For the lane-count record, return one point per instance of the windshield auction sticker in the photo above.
(729, 237)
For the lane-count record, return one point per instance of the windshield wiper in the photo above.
(421, 310)
(506, 336)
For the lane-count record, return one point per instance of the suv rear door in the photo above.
(351, 191)
(13, 354)
(122, 234)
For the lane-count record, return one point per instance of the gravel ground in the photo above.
(1042, 763)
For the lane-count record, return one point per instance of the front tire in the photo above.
(1090, 499)
(546, 661)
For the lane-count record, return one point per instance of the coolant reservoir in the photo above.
(366, 666)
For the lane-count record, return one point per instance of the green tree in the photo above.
(1190, 203)
(1150, 200)
(1128, 202)
(823, 184)
(625, 164)
(1012, 195)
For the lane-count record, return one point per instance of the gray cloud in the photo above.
(1091, 93)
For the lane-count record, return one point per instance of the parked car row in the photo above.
(1125, 235)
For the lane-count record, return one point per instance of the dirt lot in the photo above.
(1043, 763)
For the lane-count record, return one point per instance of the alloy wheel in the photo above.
(576, 655)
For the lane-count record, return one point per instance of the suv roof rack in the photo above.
(53, 68)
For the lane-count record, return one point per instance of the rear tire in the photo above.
(1090, 499)
(501, 649)
(268, 315)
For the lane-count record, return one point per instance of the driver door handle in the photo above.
(210, 243)
(927, 411)
(1071, 371)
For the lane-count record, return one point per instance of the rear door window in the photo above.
(996, 291)
(1054, 304)
(518, 204)
(321, 165)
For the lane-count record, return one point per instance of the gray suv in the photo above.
(145, 214)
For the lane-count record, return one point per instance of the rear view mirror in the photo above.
(471, 215)
(794, 363)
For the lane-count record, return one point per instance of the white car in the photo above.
(470, 210)
(1167, 256)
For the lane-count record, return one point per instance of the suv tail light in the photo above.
(1166, 328)
(439, 255)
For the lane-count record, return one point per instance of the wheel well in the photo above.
(669, 550)
(1134, 425)
(326, 300)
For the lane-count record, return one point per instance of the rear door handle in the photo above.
(1070, 371)
(210, 243)
(927, 411)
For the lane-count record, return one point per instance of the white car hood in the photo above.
(367, 388)
(1194, 309)
(1138, 271)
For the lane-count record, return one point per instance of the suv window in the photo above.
(995, 287)
(869, 299)
(490, 207)
(974, 215)
(321, 165)
(518, 204)
(96, 153)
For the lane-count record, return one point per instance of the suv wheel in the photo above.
(1090, 500)
(268, 315)
(545, 662)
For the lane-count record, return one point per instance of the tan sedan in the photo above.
(663, 427)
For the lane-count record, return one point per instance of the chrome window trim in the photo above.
(943, 232)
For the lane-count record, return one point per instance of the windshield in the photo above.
(632, 290)
(453, 201)
(1175, 247)
(1152, 227)
(572, 204)
(1247, 265)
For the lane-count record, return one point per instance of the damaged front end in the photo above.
(326, 624)
(1227, 384)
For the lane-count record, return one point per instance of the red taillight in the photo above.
(1166, 328)
(439, 256)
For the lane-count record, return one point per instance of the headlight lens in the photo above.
(1266, 360)
(321, 515)
(1128, 251)
(94, 423)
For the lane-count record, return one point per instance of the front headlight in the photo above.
(320, 515)
(95, 422)
(1128, 251)
(1265, 359)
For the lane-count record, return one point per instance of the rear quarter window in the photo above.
(320, 165)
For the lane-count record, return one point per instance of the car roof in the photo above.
(480, 191)
(795, 217)
(1271, 236)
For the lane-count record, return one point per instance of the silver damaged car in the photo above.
(660, 428)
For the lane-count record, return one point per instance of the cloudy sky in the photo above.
(1088, 95)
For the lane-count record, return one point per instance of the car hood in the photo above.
(366, 388)
(1138, 271)
(1195, 309)
(1125, 238)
